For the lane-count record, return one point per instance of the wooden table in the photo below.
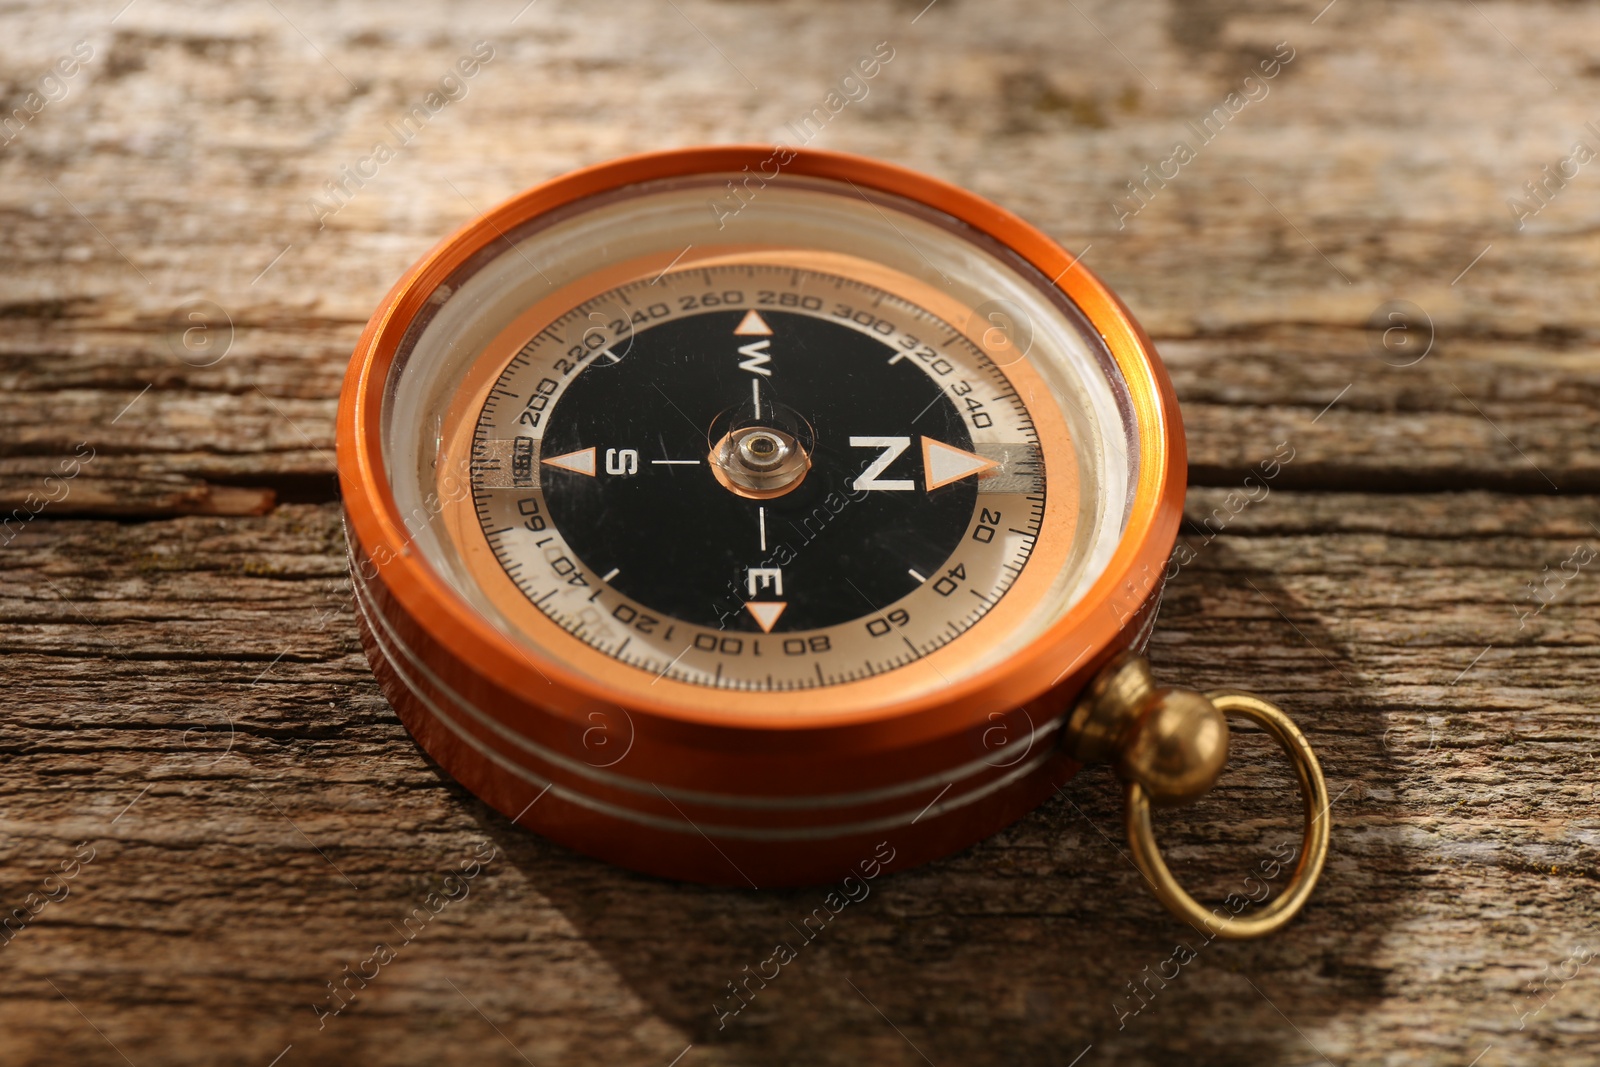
(186, 698)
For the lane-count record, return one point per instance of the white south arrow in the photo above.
(580, 462)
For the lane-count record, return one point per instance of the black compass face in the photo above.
(757, 476)
(844, 539)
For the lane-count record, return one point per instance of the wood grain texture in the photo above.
(185, 692)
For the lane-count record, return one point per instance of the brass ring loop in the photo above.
(1314, 847)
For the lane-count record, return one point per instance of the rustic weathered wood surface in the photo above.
(185, 694)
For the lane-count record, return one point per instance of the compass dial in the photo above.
(830, 452)
(755, 474)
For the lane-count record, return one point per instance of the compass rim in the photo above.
(1098, 624)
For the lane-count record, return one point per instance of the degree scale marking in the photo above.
(1012, 465)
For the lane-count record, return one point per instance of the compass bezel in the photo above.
(1082, 638)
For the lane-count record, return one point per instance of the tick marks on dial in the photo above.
(673, 664)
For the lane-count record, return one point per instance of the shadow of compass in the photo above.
(1043, 940)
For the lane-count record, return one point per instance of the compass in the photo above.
(751, 547)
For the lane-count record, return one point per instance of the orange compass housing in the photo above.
(674, 772)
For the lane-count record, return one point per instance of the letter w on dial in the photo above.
(891, 448)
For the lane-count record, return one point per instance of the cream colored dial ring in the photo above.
(591, 429)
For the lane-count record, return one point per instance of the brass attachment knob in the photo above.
(1169, 746)
(1173, 742)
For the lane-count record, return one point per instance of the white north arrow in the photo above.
(943, 464)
